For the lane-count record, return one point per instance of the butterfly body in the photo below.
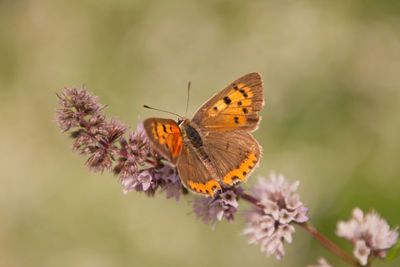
(214, 148)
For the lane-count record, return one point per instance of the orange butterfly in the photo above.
(215, 147)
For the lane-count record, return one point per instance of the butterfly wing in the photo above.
(194, 172)
(165, 136)
(235, 154)
(234, 107)
(224, 158)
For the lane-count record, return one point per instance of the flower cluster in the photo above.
(94, 134)
(149, 180)
(269, 223)
(223, 205)
(369, 233)
(132, 159)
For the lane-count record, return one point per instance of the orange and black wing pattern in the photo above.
(195, 174)
(234, 107)
(165, 136)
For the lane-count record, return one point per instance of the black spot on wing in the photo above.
(156, 126)
(243, 93)
(227, 100)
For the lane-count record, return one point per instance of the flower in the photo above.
(171, 183)
(321, 263)
(370, 235)
(223, 205)
(94, 134)
(148, 180)
(269, 222)
(133, 154)
(76, 104)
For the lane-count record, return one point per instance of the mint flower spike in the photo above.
(94, 134)
(212, 209)
(76, 104)
(370, 234)
(271, 225)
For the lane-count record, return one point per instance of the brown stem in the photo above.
(252, 200)
(328, 243)
(312, 230)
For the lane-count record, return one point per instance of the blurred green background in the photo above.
(331, 71)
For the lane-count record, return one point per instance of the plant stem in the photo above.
(328, 243)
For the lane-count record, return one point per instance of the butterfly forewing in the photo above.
(235, 107)
(165, 136)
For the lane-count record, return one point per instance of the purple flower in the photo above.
(223, 205)
(171, 182)
(271, 225)
(370, 235)
(76, 105)
(94, 134)
(134, 153)
(150, 179)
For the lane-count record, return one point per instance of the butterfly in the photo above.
(214, 148)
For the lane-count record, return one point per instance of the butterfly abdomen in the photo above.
(197, 147)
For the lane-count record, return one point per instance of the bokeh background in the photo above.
(332, 86)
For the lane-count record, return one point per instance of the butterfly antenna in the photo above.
(187, 100)
(146, 106)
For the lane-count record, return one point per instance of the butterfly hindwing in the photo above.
(234, 107)
(235, 153)
(195, 174)
(165, 136)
